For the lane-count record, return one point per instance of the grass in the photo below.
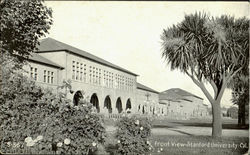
(174, 145)
(177, 144)
(171, 145)
(227, 123)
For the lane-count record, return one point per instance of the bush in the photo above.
(133, 135)
(34, 120)
(76, 130)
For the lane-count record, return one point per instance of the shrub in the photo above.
(133, 135)
(34, 120)
(77, 129)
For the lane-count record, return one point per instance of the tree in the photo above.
(208, 49)
(22, 24)
(240, 96)
(232, 112)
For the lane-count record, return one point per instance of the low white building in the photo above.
(181, 104)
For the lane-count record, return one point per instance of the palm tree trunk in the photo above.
(241, 114)
(217, 120)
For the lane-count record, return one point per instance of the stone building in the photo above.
(110, 88)
(181, 104)
(45, 72)
(148, 101)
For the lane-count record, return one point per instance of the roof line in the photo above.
(147, 90)
(187, 100)
(143, 87)
(189, 94)
(45, 63)
(71, 52)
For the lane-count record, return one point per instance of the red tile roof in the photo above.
(176, 94)
(182, 92)
(42, 60)
(143, 87)
(52, 45)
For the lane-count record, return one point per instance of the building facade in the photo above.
(148, 101)
(44, 72)
(181, 104)
(110, 88)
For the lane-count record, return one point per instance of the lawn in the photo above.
(189, 144)
(177, 145)
(227, 123)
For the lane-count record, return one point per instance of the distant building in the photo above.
(181, 104)
(232, 112)
(224, 112)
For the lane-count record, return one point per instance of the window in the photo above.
(48, 77)
(33, 73)
(93, 75)
(84, 76)
(81, 76)
(77, 73)
(73, 70)
(99, 77)
(81, 68)
(90, 74)
(77, 70)
(52, 77)
(85, 73)
(112, 81)
(44, 76)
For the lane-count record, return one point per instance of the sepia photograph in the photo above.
(124, 77)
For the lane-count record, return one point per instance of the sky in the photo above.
(128, 34)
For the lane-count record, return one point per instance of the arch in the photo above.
(143, 109)
(94, 100)
(107, 104)
(77, 97)
(128, 104)
(119, 105)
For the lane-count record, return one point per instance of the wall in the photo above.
(184, 109)
(58, 57)
(200, 109)
(98, 85)
(151, 104)
(40, 75)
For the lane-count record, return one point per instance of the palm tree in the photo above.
(208, 50)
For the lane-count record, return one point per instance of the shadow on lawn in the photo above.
(182, 132)
(224, 126)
